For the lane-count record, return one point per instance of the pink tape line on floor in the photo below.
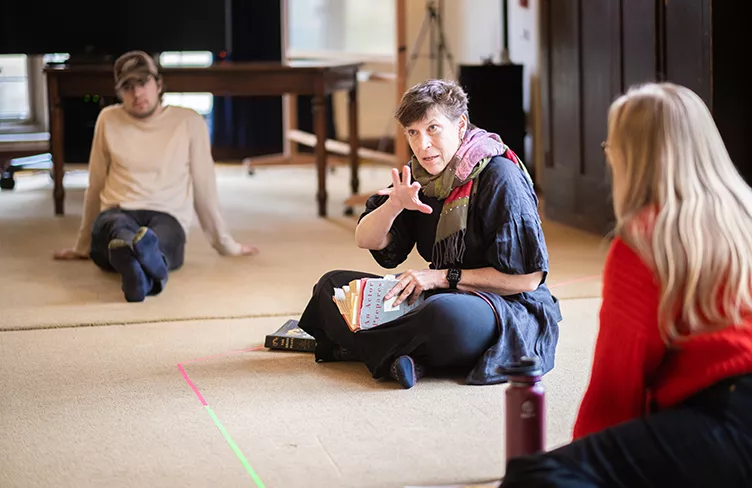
(190, 382)
(193, 387)
(225, 434)
(206, 405)
(230, 353)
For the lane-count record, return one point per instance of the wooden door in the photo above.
(686, 47)
(639, 51)
(581, 75)
(594, 50)
(732, 98)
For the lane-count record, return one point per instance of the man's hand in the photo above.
(68, 255)
(404, 194)
(246, 250)
(414, 282)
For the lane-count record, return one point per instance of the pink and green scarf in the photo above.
(454, 185)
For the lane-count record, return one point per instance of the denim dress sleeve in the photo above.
(403, 240)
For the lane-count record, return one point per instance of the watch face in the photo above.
(453, 275)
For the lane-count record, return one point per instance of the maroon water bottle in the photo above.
(525, 408)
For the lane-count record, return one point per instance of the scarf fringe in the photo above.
(450, 250)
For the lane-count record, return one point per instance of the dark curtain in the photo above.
(252, 126)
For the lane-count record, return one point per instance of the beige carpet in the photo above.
(108, 405)
(275, 210)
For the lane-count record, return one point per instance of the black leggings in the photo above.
(705, 442)
(449, 332)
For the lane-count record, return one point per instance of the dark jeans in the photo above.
(116, 223)
(704, 442)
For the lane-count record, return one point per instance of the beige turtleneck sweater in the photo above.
(162, 163)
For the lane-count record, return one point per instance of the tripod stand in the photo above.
(438, 49)
(433, 24)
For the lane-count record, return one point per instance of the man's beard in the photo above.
(146, 115)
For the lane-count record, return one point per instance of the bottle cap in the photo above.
(526, 366)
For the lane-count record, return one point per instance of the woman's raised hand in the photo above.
(404, 194)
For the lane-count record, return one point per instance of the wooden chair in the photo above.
(16, 154)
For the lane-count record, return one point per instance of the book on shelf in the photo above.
(362, 305)
(290, 337)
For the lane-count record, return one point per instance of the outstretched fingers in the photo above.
(395, 177)
(406, 175)
(423, 208)
(420, 206)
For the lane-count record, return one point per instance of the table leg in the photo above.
(354, 137)
(56, 144)
(319, 123)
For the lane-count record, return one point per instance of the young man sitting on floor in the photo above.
(150, 167)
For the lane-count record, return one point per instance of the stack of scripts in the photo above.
(361, 302)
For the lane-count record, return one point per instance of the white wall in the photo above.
(377, 99)
(523, 41)
(524, 48)
(478, 30)
(473, 30)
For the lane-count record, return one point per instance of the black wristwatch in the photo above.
(453, 277)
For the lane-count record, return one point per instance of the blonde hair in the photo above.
(685, 208)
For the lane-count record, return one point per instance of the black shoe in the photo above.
(406, 372)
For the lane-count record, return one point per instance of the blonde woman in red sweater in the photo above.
(670, 396)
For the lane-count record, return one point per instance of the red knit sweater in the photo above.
(631, 364)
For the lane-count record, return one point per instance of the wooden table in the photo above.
(221, 79)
